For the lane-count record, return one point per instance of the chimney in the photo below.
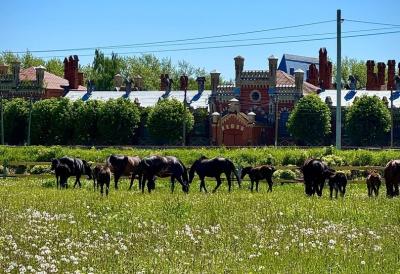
(381, 75)
(371, 76)
(214, 81)
(138, 82)
(40, 76)
(273, 66)
(200, 84)
(16, 66)
(234, 105)
(399, 69)
(391, 73)
(66, 68)
(184, 81)
(118, 81)
(3, 69)
(325, 69)
(313, 75)
(298, 79)
(239, 65)
(80, 78)
(215, 117)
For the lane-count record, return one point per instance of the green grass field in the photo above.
(78, 231)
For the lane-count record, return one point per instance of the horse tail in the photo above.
(232, 166)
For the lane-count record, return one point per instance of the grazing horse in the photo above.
(315, 173)
(76, 167)
(374, 181)
(159, 166)
(213, 168)
(124, 165)
(392, 178)
(103, 177)
(338, 183)
(258, 173)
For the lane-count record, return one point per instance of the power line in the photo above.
(181, 40)
(248, 39)
(371, 23)
(240, 45)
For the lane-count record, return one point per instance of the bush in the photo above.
(285, 174)
(48, 183)
(334, 160)
(368, 121)
(16, 114)
(40, 169)
(309, 122)
(165, 122)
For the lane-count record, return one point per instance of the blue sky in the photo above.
(37, 25)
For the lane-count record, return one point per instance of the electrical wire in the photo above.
(371, 23)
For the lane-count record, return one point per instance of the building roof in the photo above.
(289, 61)
(51, 81)
(285, 80)
(349, 95)
(145, 98)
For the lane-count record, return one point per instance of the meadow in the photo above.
(78, 231)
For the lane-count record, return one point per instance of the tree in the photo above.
(104, 70)
(368, 121)
(165, 121)
(55, 66)
(357, 68)
(117, 122)
(16, 113)
(309, 121)
(28, 60)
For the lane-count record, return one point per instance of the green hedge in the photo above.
(240, 156)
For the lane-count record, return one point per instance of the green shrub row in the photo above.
(240, 156)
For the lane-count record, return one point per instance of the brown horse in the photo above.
(163, 166)
(213, 168)
(104, 178)
(373, 183)
(392, 178)
(124, 166)
(259, 173)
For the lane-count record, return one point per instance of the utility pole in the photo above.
(276, 119)
(339, 82)
(2, 119)
(184, 84)
(391, 117)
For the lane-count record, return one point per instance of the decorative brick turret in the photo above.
(214, 81)
(71, 73)
(381, 76)
(325, 70)
(391, 73)
(239, 65)
(313, 75)
(372, 77)
(399, 69)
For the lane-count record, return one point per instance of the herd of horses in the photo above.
(146, 170)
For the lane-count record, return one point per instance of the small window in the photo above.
(255, 96)
(291, 71)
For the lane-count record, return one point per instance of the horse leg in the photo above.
(116, 178)
(369, 191)
(251, 185)
(107, 188)
(257, 182)
(150, 183)
(203, 184)
(143, 183)
(57, 182)
(132, 178)
(228, 178)
(172, 184)
(218, 183)
(270, 183)
(396, 189)
(101, 189)
(76, 181)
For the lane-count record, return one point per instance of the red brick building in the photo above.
(257, 106)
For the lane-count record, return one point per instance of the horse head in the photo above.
(87, 169)
(245, 171)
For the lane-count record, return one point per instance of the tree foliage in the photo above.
(357, 68)
(16, 113)
(368, 121)
(165, 121)
(309, 122)
(118, 121)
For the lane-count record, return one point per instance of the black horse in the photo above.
(259, 173)
(70, 167)
(213, 168)
(315, 173)
(159, 166)
(338, 183)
